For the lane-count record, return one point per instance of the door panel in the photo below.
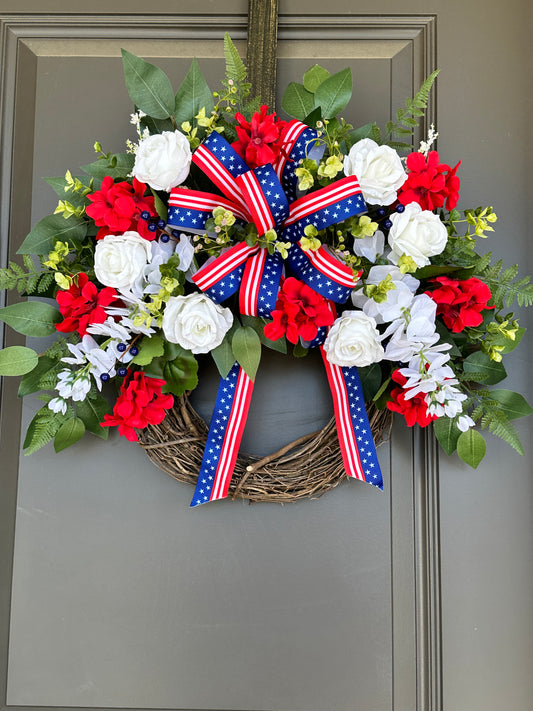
(123, 597)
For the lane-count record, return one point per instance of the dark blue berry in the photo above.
(134, 350)
(387, 224)
(161, 224)
(152, 227)
(400, 208)
(121, 347)
(104, 377)
(381, 212)
(164, 238)
(175, 233)
(145, 215)
(122, 372)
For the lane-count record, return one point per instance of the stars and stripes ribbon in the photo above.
(224, 438)
(266, 196)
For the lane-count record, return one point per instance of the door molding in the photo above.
(414, 513)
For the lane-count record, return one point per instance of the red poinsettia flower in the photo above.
(82, 304)
(140, 403)
(259, 140)
(299, 312)
(430, 183)
(414, 409)
(460, 303)
(117, 207)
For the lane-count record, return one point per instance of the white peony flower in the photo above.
(379, 170)
(163, 160)
(195, 322)
(370, 247)
(354, 340)
(120, 260)
(417, 233)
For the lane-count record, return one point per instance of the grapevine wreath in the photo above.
(225, 229)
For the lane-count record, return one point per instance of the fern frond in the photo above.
(235, 67)
(42, 429)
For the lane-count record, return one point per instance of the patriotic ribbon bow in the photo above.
(265, 196)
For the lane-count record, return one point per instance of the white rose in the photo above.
(379, 170)
(163, 160)
(418, 233)
(120, 260)
(354, 340)
(195, 322)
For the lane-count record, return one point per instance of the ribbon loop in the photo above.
(221, 277)
(260, 284)
(264, 196)
(322, 271)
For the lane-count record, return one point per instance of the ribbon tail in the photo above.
(224, 438)
(260, 284)
(353, 428)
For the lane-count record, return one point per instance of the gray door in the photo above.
(114, 594)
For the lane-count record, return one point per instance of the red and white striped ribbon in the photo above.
(213, 272)
(220, 175)
(205, 202)
(251, 282)
(256, 202)
(293, 131)
(309, 204)
(328, 265)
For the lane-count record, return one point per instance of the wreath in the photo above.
(224, 229)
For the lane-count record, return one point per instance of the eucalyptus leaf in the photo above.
(246, 348)
(297, 101)
(47, 231)
(17, 360)
(371, 376)
(92, 411)
(148, 86)
(121, 168)
(31, 318)
(471, 447)
(334, 93)
(69, 433)
(314, 77)
(512, 404)
(223, 357)
(258, 324)
(447, 433)
(193, 95)
(480, 363)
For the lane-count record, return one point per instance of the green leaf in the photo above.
(370, 379)
(235, 68)
(297, 101)
(180, 373)
(59, 184)
(17, 360)
(69, 433)
(447, 432)
(471, 447)
(43, 236)
(312, 118)
(159, 205)
(512, 404)
(511, 345)
(334, 93)
(435, 270)
(30, 382)
(246, 348)
(447, 337)
(299, 351)
(362, 132)
(480, 363)
(149, 348)
(92, 411)
(223, 357)
(31, 318)
(258, 324)
(314, 77)
(148, 86)
(193, 95)
(123, 165)
(42, 429)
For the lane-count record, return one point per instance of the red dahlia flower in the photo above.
(430, 183)
(299, 311)
(117, 207)
(82, 304)
(460, 302)
(260, 140)
(140, 403)
(415, 409)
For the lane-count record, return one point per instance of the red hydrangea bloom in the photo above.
(415, 409)
(430, 183)
(260, 140)
(299, 311)
(140, 403)
(460, 302)
(117, 207)
(82, 304)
